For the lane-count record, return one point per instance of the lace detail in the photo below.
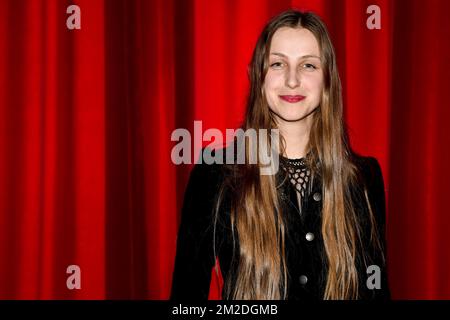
(299, 176)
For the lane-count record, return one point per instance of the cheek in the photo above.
(314, 83)
(272, 82)
(271, 85)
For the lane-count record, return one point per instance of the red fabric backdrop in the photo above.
(86, 117)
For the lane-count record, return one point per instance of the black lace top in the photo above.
(200, 246)
(299, 175)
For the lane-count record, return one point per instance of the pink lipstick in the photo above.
(292, 99)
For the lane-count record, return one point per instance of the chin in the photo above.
(295, 115)
(291, 117)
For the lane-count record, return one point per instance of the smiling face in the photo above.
(294, 81)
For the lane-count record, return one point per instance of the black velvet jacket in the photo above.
(306, 260)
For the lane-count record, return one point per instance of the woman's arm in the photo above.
(195, 257)
(376, 193)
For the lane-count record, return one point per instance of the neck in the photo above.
(296, 135)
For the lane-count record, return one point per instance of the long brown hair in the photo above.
(256, 215)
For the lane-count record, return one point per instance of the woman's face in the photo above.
(294, 81)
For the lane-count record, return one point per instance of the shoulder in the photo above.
(209, 167)
(206, 179)
(369, 170)
(371, 178)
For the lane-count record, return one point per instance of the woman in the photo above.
(313, 230)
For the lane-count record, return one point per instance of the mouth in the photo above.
(292, 99)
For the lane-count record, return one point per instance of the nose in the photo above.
(292, 78)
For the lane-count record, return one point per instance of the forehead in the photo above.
(294, 42)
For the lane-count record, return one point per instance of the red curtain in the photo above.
(86, 118)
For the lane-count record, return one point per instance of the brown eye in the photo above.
(276, 65)
(309, 66)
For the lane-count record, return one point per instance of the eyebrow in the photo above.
(302, 57)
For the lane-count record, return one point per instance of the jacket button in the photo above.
(309, 236)
(303, 279)
(317, 196)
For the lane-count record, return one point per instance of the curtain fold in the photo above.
(86, 118)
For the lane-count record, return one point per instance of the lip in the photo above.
(292, 99)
